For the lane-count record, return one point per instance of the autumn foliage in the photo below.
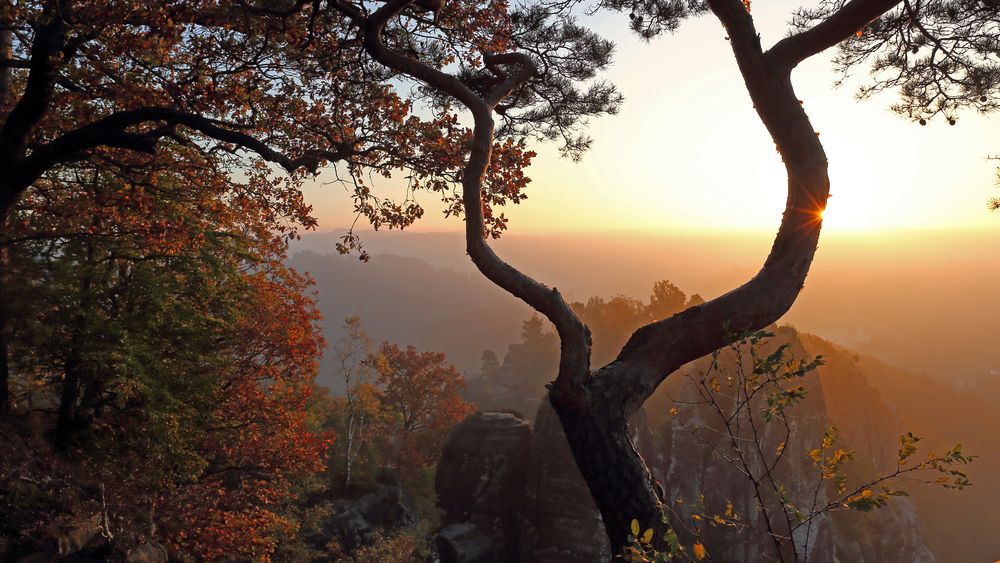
(206, 88)
(179, 353)
(260, 443)
(420, 403)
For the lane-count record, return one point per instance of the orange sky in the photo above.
(687, 152)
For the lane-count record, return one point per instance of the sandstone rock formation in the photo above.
(561, 522)
(480, 483)
(386, 507)
(502, 483)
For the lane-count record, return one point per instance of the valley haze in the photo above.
(923, 301)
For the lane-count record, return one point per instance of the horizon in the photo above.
(209, 351)
(688, 153)
(926, 287)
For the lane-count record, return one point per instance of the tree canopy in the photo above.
(231, 93)
(234, 104)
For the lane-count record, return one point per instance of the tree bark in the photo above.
(6, 52)
(5, 394)
(5, 313)
(618, 478)
(350, 440)
(69, 397)
(68, 418)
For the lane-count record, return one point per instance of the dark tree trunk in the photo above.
(6, 46)
(69, 398)
(74, 376)
(5, 395)
(6, 204)
(619, 479)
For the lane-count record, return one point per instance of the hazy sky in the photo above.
(687, 152)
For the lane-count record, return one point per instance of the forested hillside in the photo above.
(870, 402)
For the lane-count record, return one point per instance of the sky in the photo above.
(688, 154)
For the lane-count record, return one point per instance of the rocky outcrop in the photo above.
(479, 482)
(147, 552)
(512, 492)
(70, 539)
(561, 522)
(386, 507)
(697, 478)
(491, 455)
(465, 543)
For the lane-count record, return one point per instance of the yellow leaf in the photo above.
(647, 536)
(699, 551)
(635, 527)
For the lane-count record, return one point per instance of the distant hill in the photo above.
(925, 302)
(407, 301)
(958, 526)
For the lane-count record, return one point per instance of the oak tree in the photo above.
(248, 98)
(177, 362)
(419, 402)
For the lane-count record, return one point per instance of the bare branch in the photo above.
(841, 25)
(14, 63)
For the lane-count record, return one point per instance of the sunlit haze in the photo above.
(662, 358)
(688, 153)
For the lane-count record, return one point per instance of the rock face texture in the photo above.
(480, 483)
(147, 552)
(691, 467)
(466, 543)
(512, 492)
(561, 522)
(697, 479)
(387, 507)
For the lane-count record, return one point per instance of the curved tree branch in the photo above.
(574, 364)
(656, 350)
(841, 25)
(50, 35)
(113, 131)
(508, 83)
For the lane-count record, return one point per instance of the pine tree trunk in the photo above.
(619, 479)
